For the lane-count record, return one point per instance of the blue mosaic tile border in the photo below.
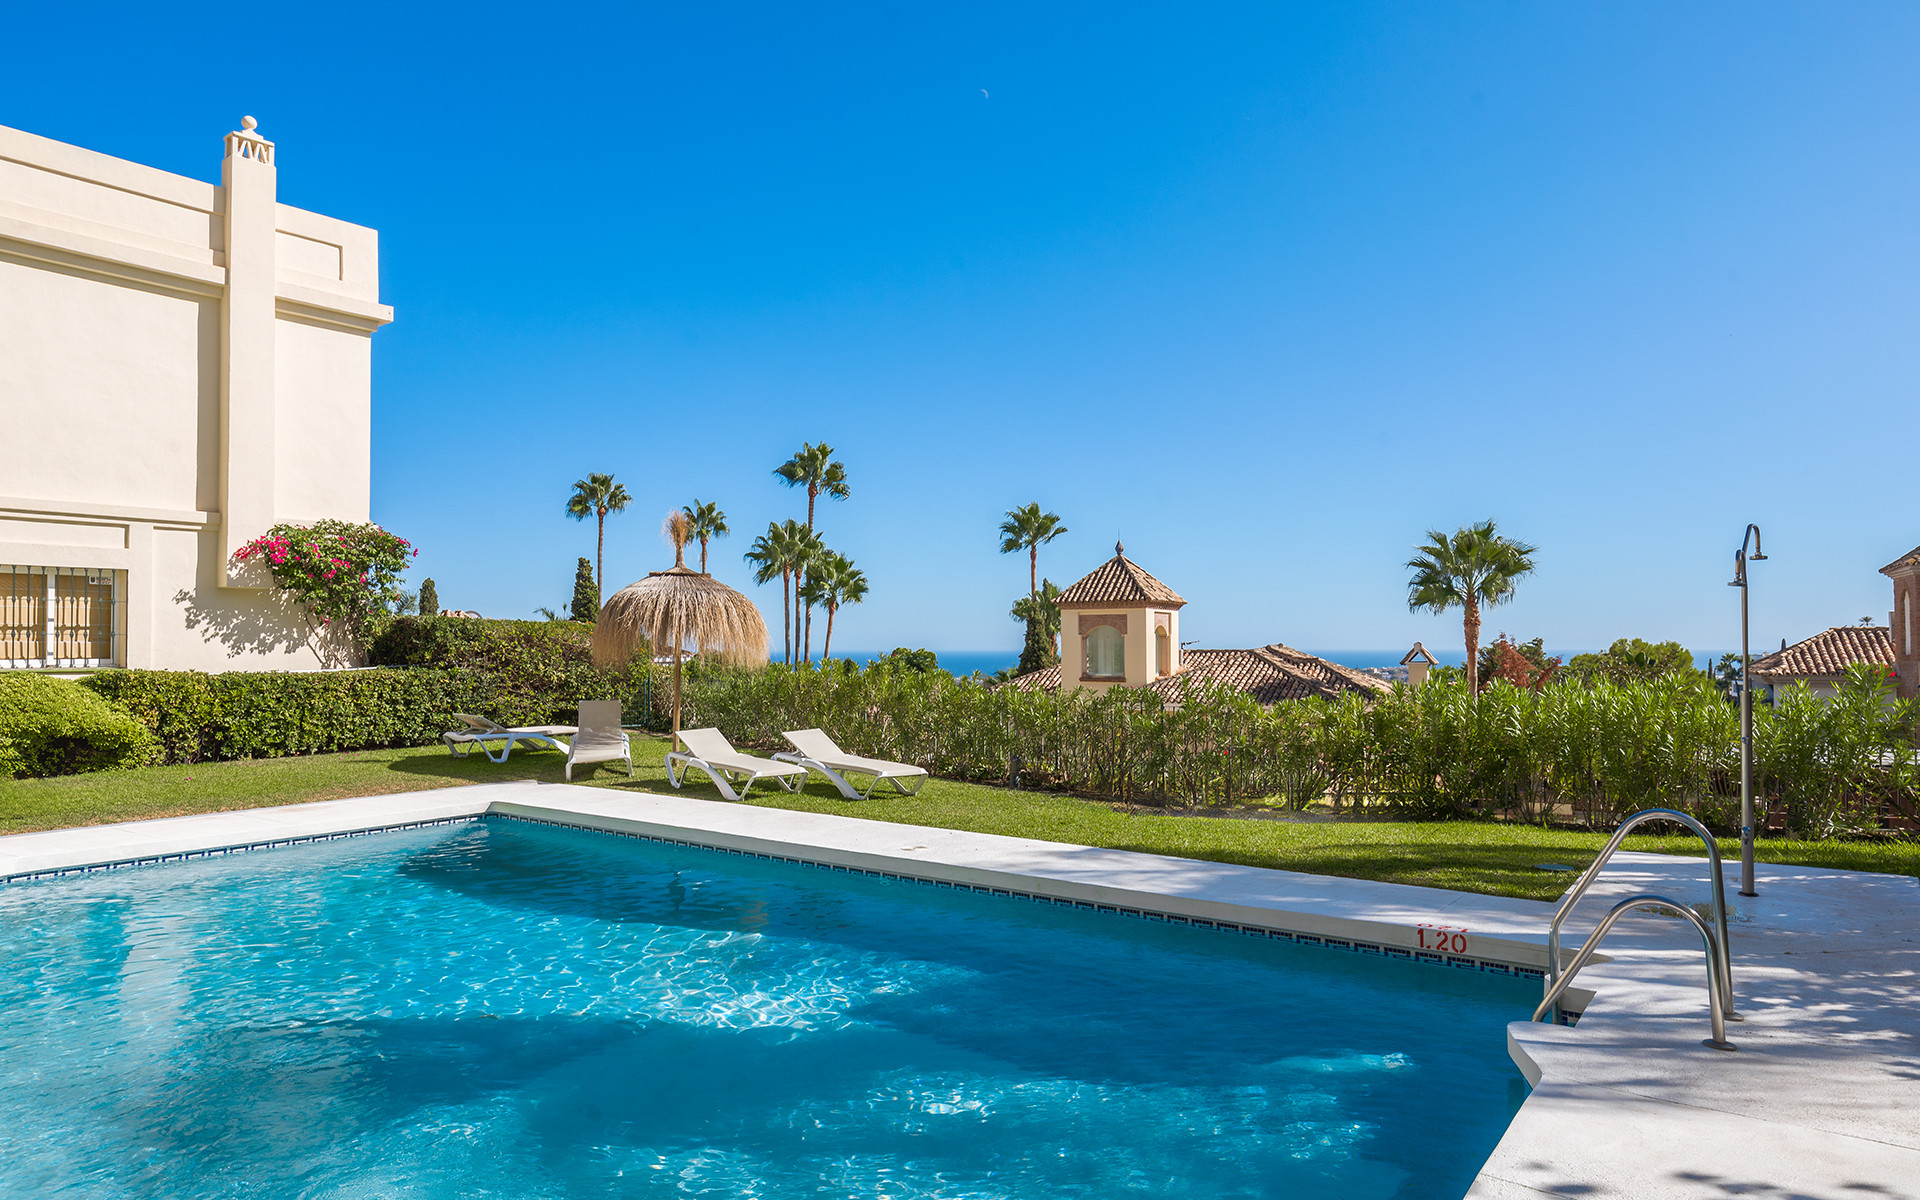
(221, 851)
(1351, 945)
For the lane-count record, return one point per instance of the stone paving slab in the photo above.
(1821, 1099)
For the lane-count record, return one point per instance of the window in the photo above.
(59, 617)
(1106, 653)
(1163, 652)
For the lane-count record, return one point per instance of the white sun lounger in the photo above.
(600, 738)
(817, 752)
(709, 750)
(480, 731)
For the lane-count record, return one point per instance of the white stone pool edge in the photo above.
(1820, 1100)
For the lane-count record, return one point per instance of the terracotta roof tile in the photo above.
(1910, 558)
(1829, 653)
(1119, 580)
(1269, 674)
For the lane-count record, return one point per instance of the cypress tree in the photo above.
(586, 594)
(1038, 654)
(429, 599)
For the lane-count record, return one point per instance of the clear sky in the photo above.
(1266, 290)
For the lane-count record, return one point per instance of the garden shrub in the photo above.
(56, 727)
(531, 672)
(176, 707)
(194, 717)
(1589, 753)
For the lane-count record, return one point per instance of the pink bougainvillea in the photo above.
(336, 570)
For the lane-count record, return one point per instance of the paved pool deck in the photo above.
(1821, 1100)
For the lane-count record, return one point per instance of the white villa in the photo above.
(182, 366)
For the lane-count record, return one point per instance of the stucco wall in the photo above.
(147, 383)
(1138, 642)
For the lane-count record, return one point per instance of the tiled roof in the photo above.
(1910, 558)
(1269, 674)
(1419, 655)
(1828, 653)
(1119, 580)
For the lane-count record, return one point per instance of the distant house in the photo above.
(1821, 661)
(1120, 627)
(1905, 620)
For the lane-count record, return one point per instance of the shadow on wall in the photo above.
(263, 623)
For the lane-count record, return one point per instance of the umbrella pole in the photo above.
(676, 695)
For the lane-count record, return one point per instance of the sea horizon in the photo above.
(966, 662)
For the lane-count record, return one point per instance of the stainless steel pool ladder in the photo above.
(1718, 946)
(1716, 1011)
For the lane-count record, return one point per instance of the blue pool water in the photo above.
(508, 1009)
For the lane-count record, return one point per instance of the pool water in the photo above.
(501, 1008)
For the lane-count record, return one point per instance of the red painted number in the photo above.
(1450, 938)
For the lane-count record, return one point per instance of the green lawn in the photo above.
(1466, 855)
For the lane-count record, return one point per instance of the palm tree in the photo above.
(597, 495)
(1474, 567)
(813, 468)
(707, 522)
(1027, 528)
(782, 553)
(834, 581)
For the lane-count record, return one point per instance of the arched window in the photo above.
(1106, 653)
(1163, 652)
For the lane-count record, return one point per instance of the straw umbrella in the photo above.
(681, 609)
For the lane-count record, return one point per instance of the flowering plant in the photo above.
(340, 572)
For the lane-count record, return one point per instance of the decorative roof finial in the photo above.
(249, 124)
(1119, 549)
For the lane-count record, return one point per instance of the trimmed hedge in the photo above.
(56, 727)
(532, 672)
(517, 672)
(196, 717)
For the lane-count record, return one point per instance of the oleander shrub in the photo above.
(1581, 752)
(56, 727)
(531, 672)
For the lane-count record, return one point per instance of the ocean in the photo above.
(966, 662)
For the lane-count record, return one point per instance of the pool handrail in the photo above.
(1716, 1010)
(1723, 951)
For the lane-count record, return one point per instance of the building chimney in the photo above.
(1417, 662)
(247, 440)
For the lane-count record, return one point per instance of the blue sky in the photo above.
(1266, 290)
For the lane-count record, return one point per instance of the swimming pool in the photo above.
(506, 1008)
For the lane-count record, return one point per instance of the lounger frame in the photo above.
(838, 777)
(462, 742)
(836, 766)
(721, 774)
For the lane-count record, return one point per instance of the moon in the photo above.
(983, 94)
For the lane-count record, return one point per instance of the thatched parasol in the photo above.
(682, 610)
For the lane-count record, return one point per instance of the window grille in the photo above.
(59, 617)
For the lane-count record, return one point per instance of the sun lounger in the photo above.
(480, 731)
(817, 752)
(600, 738)
(709, 750)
